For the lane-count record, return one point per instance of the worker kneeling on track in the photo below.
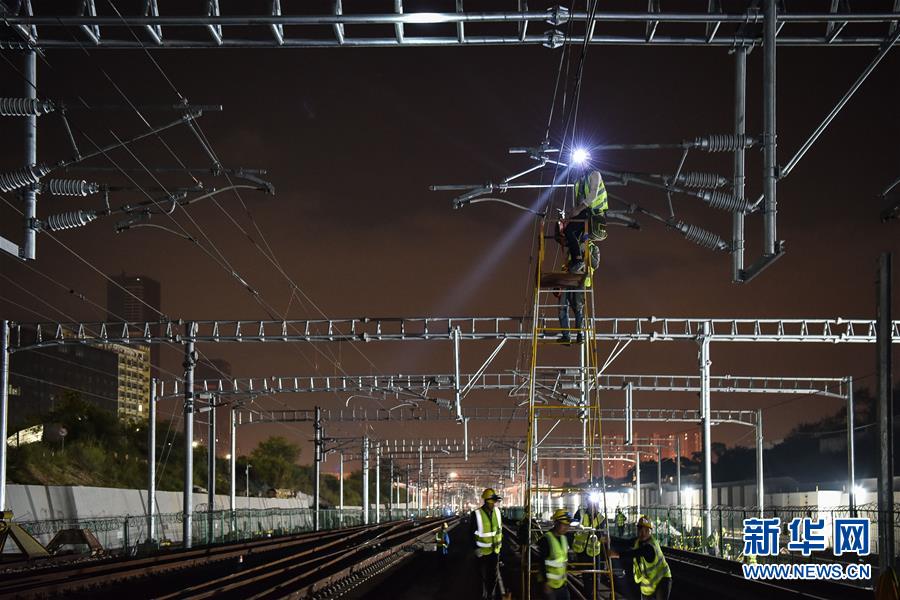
(651, 571)
(553, 557)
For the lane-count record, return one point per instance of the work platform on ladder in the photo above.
(558, 289)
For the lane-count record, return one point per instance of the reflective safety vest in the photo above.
(620, 519)
(600, 203)
(439, 538)
(488, 533)
(649, 574)
(581, 536)
(556, 561)
(749, 559)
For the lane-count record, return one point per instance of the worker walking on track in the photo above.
(591, 204)
(651, 571)
(553, 557)
(442, 539)
(487, 530)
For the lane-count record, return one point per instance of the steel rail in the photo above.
(67, 578)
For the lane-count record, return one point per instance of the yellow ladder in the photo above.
(576, 369)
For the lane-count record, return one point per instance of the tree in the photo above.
(274, 463)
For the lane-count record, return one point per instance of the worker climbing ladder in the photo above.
(562, 395)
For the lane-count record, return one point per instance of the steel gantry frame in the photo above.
(19, 337)
(37, 24)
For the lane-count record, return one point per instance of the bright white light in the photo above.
(195, 443)
(453, 475)
(580, 156)
(424, 17)
(595, 497)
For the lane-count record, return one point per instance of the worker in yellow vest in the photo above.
(442, 539)
(620, 522)
(487, 531)
(651, 571)
(590, 205)
(553, 557)
(589, 542)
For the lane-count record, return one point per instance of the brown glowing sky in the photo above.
(351, 140)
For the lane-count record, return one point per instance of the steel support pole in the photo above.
(637, 484)
(705, 365)
(457, 394)
(629, 413)
(341, 488)
(770, 160)
(740, 129)
(851, 450)
(885, 412)
(365, 480)
(659, 475)
(151, 463)
(407, 491)
(378, 484)
(232, 465)
(317, 431)
(760, 478)
(678, 471)
(211, 471)
(419, 483)
(190, 361)
(29, 194)
(4, 407)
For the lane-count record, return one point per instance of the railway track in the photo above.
(308, 565)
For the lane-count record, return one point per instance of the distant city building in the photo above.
(133, 380)
(41, 379)
(135, 298)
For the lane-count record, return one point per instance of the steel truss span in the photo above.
(416, 387)
(611, 329)
(649, 415)
(39, 24)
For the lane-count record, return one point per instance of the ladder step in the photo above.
(562, 279)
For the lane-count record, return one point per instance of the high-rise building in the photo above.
(41, 379)
(136, 299)
(133, 389)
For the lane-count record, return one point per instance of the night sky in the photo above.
(352, 139)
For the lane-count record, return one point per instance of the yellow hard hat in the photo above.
(644, 522)
(562, 516)
(490, 494)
